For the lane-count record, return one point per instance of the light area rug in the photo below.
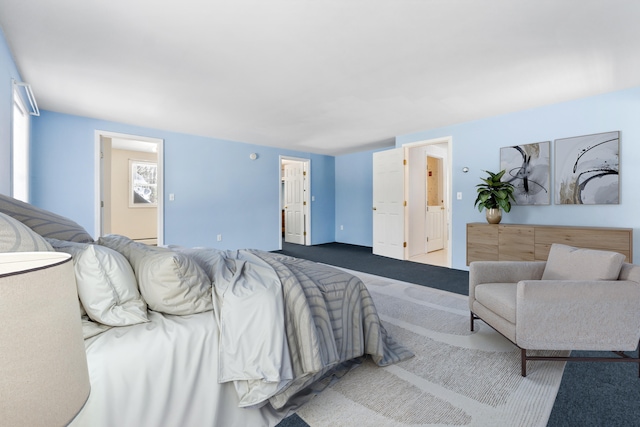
(457, 377)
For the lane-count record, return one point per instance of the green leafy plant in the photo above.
(493, 193)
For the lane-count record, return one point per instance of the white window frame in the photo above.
(133, 168)
(20, 137)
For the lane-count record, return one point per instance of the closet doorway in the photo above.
(129, 187)
(295, 217)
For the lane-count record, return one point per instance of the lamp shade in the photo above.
(44, 380)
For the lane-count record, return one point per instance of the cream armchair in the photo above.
(579, 299)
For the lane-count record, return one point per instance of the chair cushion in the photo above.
(569, 263)
(500, 298)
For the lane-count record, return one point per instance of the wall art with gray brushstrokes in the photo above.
(528, 169)
(587, 169)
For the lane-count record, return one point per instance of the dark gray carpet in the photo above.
(361, 258)
(591, 394)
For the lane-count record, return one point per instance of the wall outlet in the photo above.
(219, 238)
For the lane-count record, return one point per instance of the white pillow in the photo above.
(173, 283)
(209, 259)
(133, 251)
(170, 282)
(569, 263)
(106, 284)
(89, 327)
(17, 237)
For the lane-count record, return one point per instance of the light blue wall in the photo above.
(217, 188)
(8, 71)
(323, 204)
(477, 145)
(354, 198)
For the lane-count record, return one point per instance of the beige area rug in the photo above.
(457, 378)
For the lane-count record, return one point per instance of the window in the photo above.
(143, 184)
(20, 149)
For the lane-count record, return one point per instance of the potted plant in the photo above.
(495, 196)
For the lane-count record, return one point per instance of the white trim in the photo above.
(307, 225)
(19, 103)
(449, 141)
(441, 140)
(98, 176)
(30, 97)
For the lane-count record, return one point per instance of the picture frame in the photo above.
(527, 167)
(143, 184)
(587, 169)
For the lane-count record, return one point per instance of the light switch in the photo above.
(459, 195)
(171, 197)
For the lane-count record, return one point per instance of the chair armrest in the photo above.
(502, 272)
(578, 315)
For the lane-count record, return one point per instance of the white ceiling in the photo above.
(324, 76)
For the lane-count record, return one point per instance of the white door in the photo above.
(435, 204)
(388, 203)
(435, 228)
(416, 193)
(294, 203)
(105, 188)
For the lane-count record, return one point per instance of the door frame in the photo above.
(449, 188)
(99, 177)
(305, 198)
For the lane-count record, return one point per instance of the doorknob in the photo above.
(374, 208)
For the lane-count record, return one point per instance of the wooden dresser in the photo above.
(525, 242)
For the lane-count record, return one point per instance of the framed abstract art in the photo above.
(587, 169)
(527, 168)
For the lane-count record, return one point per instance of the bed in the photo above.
(180, 336)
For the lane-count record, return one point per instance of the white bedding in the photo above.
(178, 385)
(248, 303)
(278, 325)
(285, 323)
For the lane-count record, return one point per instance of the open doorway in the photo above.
(129, 187)
(429, 202)
(295, 218)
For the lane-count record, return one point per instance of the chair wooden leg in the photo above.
(472, 319)
(523, 362)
